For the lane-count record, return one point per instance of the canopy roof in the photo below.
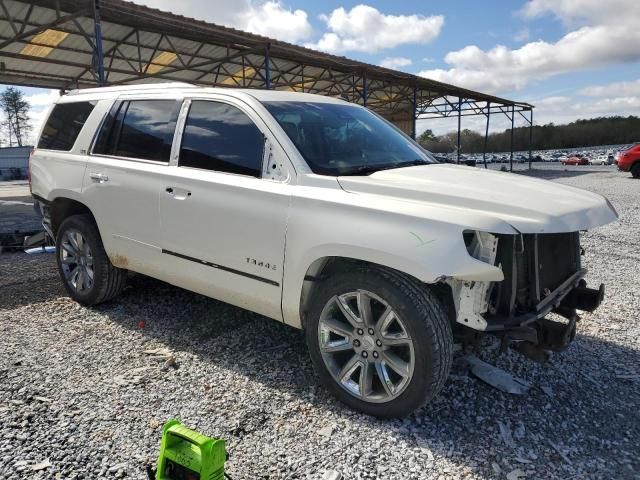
(69, 44)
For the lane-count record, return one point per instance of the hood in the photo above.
(529, 205)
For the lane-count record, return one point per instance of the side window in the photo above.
(220, 137)
(139, 129)
(108, 137)
(64, 124)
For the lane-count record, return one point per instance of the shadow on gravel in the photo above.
(27, 279)
(560, 173)
(579, 416)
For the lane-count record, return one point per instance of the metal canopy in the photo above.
(69, 44)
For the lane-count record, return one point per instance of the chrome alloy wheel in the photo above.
(77, 261)
(365, 346)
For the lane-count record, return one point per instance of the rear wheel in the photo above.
(379, 340)
(87, 274)
(635, 170)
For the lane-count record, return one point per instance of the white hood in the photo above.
(529, 205)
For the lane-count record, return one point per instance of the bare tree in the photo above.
(16, 112)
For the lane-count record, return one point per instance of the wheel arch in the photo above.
(324, 267)
(61, 208)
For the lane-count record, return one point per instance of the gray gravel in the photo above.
(84, 391)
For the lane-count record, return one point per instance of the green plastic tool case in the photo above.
(189, 455)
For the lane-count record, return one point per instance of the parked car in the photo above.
(601, 160)
(629, 160)
(577, 159)
(317, 213)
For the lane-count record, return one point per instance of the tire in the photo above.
(420, 316)
(107, 282)
(635, 170)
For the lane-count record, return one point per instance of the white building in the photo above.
(14, 162)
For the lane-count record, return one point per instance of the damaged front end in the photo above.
(542, 275)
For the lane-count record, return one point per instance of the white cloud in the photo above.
(395, 62)
(631, 88)
(269, 18)
(366, 29)
(43, 99)
(609, 39)
(577, 11)
(563, 110)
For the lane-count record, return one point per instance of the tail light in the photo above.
(29, 170)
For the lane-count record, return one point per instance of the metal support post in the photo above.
(530, 135)
(486, 136)
(513, 119)
(459, 126)
(99, 54)
(415, 108)
(267, 67)
(365, 89)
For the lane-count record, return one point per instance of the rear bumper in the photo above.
(42, 207)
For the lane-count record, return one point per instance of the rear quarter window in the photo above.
(139, 129)
(64, 124)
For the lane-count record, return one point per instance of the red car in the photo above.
(578, 159)
(629, 161)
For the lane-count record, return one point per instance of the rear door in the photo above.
(222, 223)
(125, 172)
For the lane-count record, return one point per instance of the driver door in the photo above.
(222, 224)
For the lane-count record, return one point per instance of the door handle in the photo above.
(178, 193)
(100, 177)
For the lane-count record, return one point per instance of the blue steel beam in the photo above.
(99, 53)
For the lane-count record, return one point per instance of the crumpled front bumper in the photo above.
(538, 332)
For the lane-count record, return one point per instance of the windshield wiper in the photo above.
(369, 169)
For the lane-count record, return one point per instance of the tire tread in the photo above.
(426, 307)
(111, 280)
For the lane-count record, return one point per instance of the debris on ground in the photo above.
(496, 377)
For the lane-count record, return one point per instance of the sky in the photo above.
(570, 58)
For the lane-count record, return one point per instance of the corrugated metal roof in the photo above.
(49, 43)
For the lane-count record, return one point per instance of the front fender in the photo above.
(426, 249)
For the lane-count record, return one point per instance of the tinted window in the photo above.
(64, 124)
(220, 137)
(110, 130)
(139, 129)
(342, 139)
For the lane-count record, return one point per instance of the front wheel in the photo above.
(87, 274)
(379, 340)
(635, 170)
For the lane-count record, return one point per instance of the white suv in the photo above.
(317, 213)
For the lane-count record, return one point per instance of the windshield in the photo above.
(337, 139)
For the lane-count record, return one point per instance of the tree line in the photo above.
(581, 133)
(15, 125)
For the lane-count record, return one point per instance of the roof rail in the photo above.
(133, 87)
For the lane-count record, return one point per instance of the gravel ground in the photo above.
(84, 391)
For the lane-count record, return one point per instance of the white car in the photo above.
(601, 160)
(317, 213)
